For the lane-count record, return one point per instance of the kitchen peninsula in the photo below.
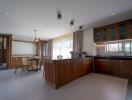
(60, 72)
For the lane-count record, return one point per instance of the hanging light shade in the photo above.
(72, 22)
(35, 37)
(59, 15)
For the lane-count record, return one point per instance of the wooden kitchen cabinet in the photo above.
(101, 65)
(117, 31)
(106, 66)
(122, 30)
(97, 35)
(112, 33)
(115, 67)
(85, 64)
(105, 34)
(101, 34)
(129, 29)
(60, 72)
(125, 68)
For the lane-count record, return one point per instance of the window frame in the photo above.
(107, 47)
(61, 47)
(123, 42)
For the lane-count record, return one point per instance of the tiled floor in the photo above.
(129, 90)
(32, 87)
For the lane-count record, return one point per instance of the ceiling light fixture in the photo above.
(7, 13)
(35, 38)
(80, 27)
(59, 15)
(72, 22)
(113, 14)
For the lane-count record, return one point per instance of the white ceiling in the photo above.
(21, 17)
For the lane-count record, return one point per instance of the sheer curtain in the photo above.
(47, 49)
(63, 48)
(50, 49)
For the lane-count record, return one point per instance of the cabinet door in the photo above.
(129, 29)
(96, 35)
(130, 73)
(87, 66)
(101, 66)
(122, 30)
(113, 67)
(104, 35)
(125, 68)
(110, 66)
(112, 33)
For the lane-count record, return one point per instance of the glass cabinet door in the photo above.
(112, 33)
(97, 36)
(129, 30)
(105, 35)
(122, 30)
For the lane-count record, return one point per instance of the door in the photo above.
(5, 51)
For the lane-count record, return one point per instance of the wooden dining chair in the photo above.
(18, 63)
(24, 66)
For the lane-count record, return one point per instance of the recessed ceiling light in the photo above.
(7, 13)
(113, 14)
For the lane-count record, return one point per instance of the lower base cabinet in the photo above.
(60, 72)
(120, 68)
(101, 65)
(126, 68)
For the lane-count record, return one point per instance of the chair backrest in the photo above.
(25, 61)
(36, 57)
(46, 57)
(18, 61)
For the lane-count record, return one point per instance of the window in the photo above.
(120, 47)
(45, 49)
(63, 47)
(113, 47)
(123, 47)
(128, 47)
(131, 47)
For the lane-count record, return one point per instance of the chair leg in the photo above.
(43, 73)
(27, 71)
(16, 69)
(22, 71)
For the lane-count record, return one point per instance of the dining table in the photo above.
(35, 62)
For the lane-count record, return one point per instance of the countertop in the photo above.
(114, 57)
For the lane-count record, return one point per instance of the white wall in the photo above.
(23, 48)
(88, 42)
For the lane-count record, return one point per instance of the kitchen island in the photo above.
(60, 72)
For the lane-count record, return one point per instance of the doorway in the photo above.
(5, 51)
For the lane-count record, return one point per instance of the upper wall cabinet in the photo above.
(97, 35)
(129, 29)
(112, 30)
(104, 34)
(117, 31)
(122, 30)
